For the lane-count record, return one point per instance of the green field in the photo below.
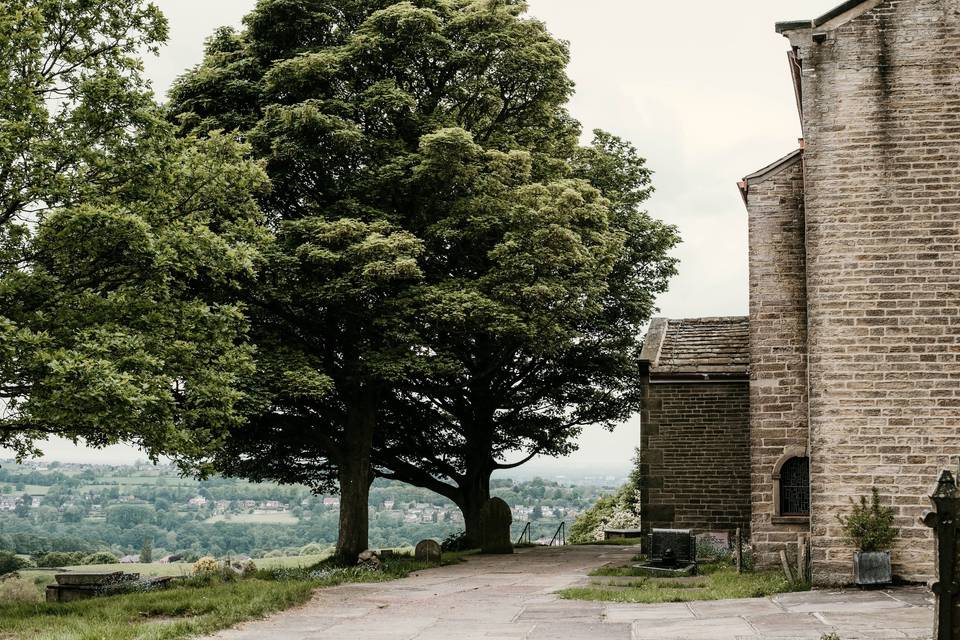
(258, 517)
(32, 489)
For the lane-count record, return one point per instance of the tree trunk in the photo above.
(475, 492)
(355, 476)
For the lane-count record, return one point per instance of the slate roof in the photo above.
(836, 12)
(698, 348)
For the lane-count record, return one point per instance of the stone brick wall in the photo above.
(881, 103)
(694, 456)
(778, 343)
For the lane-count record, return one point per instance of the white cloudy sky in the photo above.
(701, 87)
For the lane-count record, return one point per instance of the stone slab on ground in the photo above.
(512, 598)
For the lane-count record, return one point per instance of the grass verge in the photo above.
(198, 605)
(714, 582)
(616, 542)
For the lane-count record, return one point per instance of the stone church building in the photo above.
(854, 327)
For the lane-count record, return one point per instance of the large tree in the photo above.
(448, 259)
(120, 243)
(538, 326)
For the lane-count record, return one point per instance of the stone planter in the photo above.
(872, 568)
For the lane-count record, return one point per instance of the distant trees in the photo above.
(453, 278)
(22, 508)
(127, 516)
(146, 551)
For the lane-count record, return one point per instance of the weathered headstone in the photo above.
(427, 551)
(945, 522)
(495, 521)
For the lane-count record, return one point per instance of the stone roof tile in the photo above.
(707, 347)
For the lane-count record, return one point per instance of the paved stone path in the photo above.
(510, 598)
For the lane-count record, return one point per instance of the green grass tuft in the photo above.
(715, 582)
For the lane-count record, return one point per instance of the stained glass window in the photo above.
(795, 487)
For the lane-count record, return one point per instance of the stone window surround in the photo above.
(793, 451)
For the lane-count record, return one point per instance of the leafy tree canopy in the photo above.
(119, 242)
(454, 277)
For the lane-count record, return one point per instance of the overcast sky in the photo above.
(701, 87)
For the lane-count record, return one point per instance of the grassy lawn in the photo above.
(714, 582)
(198, 606)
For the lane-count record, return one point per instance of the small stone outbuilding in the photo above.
(695, 425)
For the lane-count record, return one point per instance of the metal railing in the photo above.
(560, 537)
(525, 534)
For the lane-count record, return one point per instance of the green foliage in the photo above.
(59, 559)
(10, 562)
(869, 527)
(585, 526)
(619, 511)
(100, 557)
(453, 278)
(120, 244)
(146, 551)
(457, 541)
(127, 516)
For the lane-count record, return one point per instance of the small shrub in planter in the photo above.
(869, 528)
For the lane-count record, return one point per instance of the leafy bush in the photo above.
(206, 565)
(60, 559)
(456, 541)
(100, 557)
(17, 590)
(619, 511)
(10, 562)
(870, 526)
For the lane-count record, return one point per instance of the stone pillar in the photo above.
(945, 521)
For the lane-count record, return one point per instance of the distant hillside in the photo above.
(48, 507)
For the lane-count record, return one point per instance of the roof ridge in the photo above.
(836, 12)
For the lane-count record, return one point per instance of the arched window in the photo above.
(795, 487)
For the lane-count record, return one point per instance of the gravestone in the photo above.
(495, 521)
(370, 560)
(427, 551)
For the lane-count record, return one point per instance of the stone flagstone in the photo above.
(512, 598)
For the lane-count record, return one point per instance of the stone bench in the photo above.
(81, 585)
